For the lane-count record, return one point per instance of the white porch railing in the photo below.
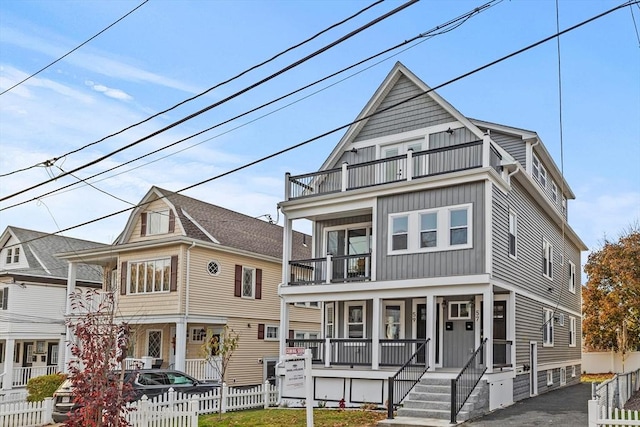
(22, 375)
(26, 414)
(203, 369)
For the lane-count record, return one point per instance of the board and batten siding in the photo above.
(529, 324)
(525, 271)
(363, 155)
(513, 145)
(156, 205)
(418, 113)
(432, 264)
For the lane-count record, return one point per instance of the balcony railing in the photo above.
(392, 169)
(502, 353)
(331, 269)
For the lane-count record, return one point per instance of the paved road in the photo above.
(563, 407)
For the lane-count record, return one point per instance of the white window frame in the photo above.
(4, 298)
(573, 371)
(16, 255)
(539, 172)
(270, 336)
(554, 192)
(563, 375)
(253, 283)
(197, 334)
(459, 304)
(402, 233)
(157, 222)
(549, 377)
(347, 306)
(572, 277)
(149, 331)
(9, 257)
(428, 230)
(547, 259)
(572, 331)
(513, 231)
(400, 324)
(547, 328)
(217, 263)
(330, 320)
(164, 288)
(443, 229)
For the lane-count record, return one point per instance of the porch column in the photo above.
(284, 326)
(511, 326)
(9, 348)
(487, 298)
(286, 247)
(375, 333)
(181, 345)
(431, 331)
(62, 345)
(71, 288)
(486, 150)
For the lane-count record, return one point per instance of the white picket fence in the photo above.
(172, 409)
(611, 395)
(26, 414)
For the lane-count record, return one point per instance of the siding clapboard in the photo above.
(513, 145)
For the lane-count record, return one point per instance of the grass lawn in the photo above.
(278, 417)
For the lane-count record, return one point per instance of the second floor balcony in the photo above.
(331, 269)
(405, 167)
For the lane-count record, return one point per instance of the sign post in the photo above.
(297, 377)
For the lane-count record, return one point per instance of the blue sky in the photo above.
(168, 51)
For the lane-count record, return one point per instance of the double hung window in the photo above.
(355, 313)
(572, 277)
(572, 331)
(158, 222)
(547, 328)
(547, 259)
(513, 233)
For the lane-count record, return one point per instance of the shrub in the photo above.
(43, 386)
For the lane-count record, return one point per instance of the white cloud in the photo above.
(110, 92)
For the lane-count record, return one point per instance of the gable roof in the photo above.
(39, 248)
(379, 102)
(220, 226)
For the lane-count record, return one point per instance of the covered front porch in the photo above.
(30, 357)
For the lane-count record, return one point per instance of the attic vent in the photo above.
(213, 268)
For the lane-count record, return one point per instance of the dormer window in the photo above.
(13, 256)
(539, 172)
(157, 222)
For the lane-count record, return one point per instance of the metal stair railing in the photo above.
(407, 377)
(463, 385)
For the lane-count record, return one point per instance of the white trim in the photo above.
(277, 328)
(533, 296)
(384, 332)
(374, 245)
(563, 375)
(161, 341)
(414, 315)
(450, 304)
(547, 258)
(549, 377)
(219, 267)
(346, 227)
(333, 320)
(349, 304)
(253, 283)
(548, 327)
(403, 137)
(555, 365)
(512, 214)
(572, 330)
(573, 371)
(201, 228)
(488, 226)
(572, 277)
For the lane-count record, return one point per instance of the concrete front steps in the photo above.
(431, 398)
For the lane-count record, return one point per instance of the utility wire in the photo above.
(375, 113)
(633, 18)
(453, 23)
(289, 49)
(228, 98)
(70, 52)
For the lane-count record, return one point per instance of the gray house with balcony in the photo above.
(443, 259)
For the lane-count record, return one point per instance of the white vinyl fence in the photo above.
(26, 414)
(172, 409)
(608, 399)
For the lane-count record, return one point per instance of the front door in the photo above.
(459, 336)
(499, 333)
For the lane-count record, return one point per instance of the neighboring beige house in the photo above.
(33, 286)
(182, 268)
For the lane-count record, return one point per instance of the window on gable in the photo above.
(158, 222)
(9, 256)
(400, 237)
(547, 259)
(572, 331)
(248, 282)
(547, 328)
(16, 255)
(355, 315)
(572, 277)
(513, 232)
(539, 172)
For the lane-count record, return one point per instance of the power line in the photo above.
(51, 161)
(380, 111)
(70, 52)
(228, 98)
(440, 29)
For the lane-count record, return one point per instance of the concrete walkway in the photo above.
(566, 406)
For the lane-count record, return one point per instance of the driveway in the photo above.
(563, 407)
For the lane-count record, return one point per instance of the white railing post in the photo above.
(409, 167)
(486, 151)
(329, 268)
(144, 412)
(593, 413)
(266, 393)
(194, 406)
(345, 177)
(327, 352)
(223, 398)
(287, 186)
